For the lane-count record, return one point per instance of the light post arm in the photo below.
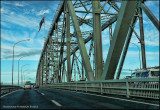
(21, 72)
(18, 67)
(139, 54)
(13, 57)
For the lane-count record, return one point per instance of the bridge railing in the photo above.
(8, 88)
(143, 87)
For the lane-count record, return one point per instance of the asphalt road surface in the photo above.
(64, 99)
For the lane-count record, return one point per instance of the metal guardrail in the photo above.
(8, 88)
(143, 87)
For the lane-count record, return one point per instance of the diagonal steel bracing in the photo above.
(121, 29)
(52, 63)
(150, 15)
(85, 58)
(124, 53)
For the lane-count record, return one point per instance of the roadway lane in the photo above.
(64, 99)
(79, 100)
(26, 99)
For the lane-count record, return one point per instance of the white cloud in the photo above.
(5, 24)
(3, 11)
(152, 3)
(31, 53)
(42, 12)
(19, 4)
(21, 21)
(12, 13)
(32, 47)
(151, 36)
(24, 21)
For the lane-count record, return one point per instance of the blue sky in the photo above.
(20, 21)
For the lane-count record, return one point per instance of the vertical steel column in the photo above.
(68, 44)
(82, 71)
(97, 38)
(46, 65)
(110, 33)
(142, 39)
(43, 67)
(83, 51)
(72, 63)
(39, 75)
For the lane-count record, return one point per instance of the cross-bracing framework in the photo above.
(71, 53)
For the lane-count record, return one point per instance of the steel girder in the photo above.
(142, 39)
(124, 53)
(68, 44)
(55, 51)
(121, 29)
(87, 65)
(150, 15)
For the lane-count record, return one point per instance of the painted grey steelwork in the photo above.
(68, 44)
(85, 58)
(97, 34)
(66, 55)
(124, 52)
(121, 29)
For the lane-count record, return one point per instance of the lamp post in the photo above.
(18, 69)
(13, 56)
(21, 72)
(24, 75)
(139, 54)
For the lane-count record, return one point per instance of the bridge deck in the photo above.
(60, 99)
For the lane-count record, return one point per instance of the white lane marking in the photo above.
(55, 102)
(42, 93)
(9, 93)
(116, 98)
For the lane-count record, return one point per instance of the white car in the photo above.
(27, 86)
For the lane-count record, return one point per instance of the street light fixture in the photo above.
(139, 54)
(18, 67)
(13, 56)
(24, 75)
(21, 72)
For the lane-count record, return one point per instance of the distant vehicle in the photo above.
(127, 77)
(150, 73)
(36, 86)
(27, 85)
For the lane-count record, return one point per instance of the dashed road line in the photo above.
(42, 93)
(55, 102)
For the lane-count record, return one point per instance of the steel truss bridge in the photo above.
(72, 57)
